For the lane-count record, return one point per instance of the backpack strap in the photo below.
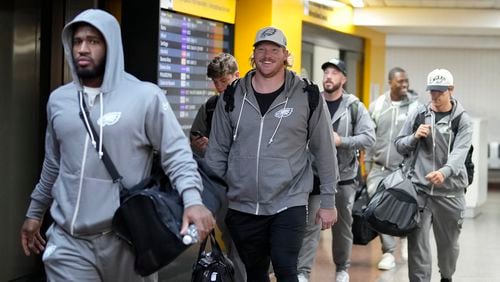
(228, 95)
(353, 107)
(312, 95)
(454, 127)
(209, 111)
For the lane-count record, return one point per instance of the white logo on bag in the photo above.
(165, 106)
(109, 118)
(283, 113)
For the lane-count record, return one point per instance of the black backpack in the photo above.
(469, 165)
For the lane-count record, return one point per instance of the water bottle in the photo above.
(191, 236)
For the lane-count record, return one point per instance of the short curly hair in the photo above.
(222, 64)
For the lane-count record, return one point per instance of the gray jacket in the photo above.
(360, 137)
(389, 120)
(436, 153)
(133, 118)
(264, 159)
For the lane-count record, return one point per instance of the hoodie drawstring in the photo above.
(279, 122)
(100, 124)
(239, 117)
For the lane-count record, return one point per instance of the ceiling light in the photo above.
(357, 3)
(329, 3)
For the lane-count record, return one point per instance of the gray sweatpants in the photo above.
(377, 173)
(311, 238)
(445, 215)
(342, 230)
(96, 258)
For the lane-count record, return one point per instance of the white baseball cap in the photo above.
(271, 34)
(439, 80)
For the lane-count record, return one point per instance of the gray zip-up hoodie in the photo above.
(360, 137)
(435, 152)
(264, 158)
(389, 120)
(132, 118)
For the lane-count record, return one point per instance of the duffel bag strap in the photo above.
(108, 163)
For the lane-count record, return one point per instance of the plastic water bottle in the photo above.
(191, 236)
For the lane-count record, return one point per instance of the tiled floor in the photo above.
(479, 255)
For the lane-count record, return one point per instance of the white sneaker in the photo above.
(302, 278)
(387, 262)
(342, 276)
(404, 248)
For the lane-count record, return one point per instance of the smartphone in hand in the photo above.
(197, 134)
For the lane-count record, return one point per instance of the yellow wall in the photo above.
(288, 16)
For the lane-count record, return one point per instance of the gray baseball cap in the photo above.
(270, 34)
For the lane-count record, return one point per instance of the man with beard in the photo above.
(353, 130)
(263, 132)
(389, 112)
(133, 119)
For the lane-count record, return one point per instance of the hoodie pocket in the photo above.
(88, 205)
(275, 177)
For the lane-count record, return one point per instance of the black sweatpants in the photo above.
(261, 239)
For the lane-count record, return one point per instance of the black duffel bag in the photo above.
(361, 230)
(394, 208)
(150, 217)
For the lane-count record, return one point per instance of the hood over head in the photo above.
(110, 30)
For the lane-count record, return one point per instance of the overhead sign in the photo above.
(221, 10)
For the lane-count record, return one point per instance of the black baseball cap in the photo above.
(337, 63)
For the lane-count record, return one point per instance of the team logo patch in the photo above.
(109, 118)
(165, 106)
(283, 113)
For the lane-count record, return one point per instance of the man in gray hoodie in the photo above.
(353, 130)
(263, 131)
(440, 175)
(389, 112)
(133, 119)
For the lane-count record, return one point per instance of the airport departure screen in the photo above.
(186, 45)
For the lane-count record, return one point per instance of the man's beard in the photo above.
(334, 88)
(86, 73)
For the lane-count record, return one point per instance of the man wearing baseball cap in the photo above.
(353, 130)
(261, 140)
(444, 130)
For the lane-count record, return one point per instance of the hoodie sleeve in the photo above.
(461, 144)
(177, 160)
(322, 146)
(220, 141)
(363, 132)
(41, 198)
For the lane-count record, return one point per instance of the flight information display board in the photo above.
(186, 45)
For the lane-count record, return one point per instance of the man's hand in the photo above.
(31, 240)
(327, 218)
(423, 131)
(336, 137)
(435, 177)
(202, 219)
(199, 143)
